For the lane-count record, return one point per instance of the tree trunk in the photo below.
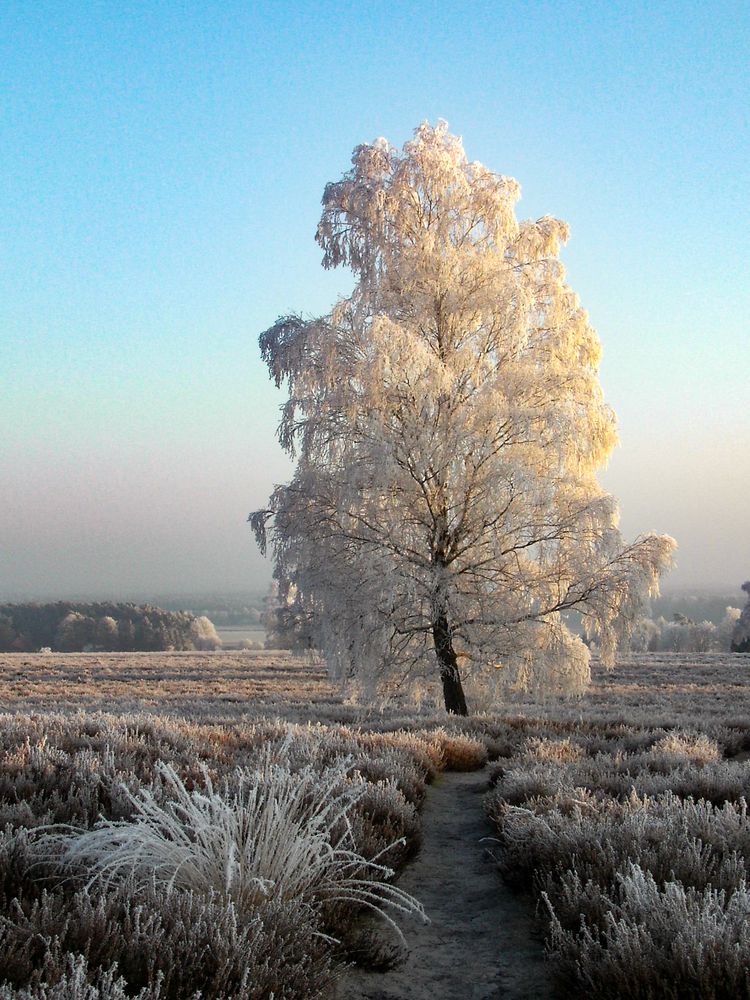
(453, 691)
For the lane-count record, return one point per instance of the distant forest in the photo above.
(68, 626)
(699, 605)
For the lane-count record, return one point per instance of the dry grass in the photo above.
(657, 689)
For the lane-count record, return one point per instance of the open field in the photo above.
(622, 813)
(649, 689)
(210, 686)
(656, 689)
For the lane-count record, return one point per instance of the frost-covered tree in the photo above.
(75, 632)
(203, 634)
(741, 631)
(448, 422)
(105, 635)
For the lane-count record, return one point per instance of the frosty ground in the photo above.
(622, 814)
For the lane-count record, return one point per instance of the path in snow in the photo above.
(480, 944)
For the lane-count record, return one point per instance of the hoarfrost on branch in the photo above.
(448, 422)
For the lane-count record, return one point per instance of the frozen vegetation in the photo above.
(448, 423)
(224, 824)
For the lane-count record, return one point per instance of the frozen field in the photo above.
(621, 814)
(645, 689)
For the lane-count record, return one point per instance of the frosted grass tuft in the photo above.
(270, 833)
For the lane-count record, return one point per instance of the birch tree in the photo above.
(448, 422)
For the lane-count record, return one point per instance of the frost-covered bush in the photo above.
(619, 775)
(561, 751)
(385, 824)
(420, 749)
(277, 834)
(641, 857)
(171, 943)
(661, 940)
(77, 982)
(392, 768)
(696, 842)
(460, 753)
(695, 747)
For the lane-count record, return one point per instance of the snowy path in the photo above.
(480, 944)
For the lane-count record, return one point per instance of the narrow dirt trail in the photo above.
(480, 944)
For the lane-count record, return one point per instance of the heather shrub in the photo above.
(664, 940)
(76, 982)
(619, 774)
(560, 751)
(171, 943)
(519, 784)
(594, 841)
(724, 781)
(385, 824)
(697, 748)
(43, 783)
(640, 855)
(421, 750)
(72, 770)
(392, 767)
(16, 859)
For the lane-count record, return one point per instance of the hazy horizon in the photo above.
(162, 184)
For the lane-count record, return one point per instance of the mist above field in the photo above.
(85, 519)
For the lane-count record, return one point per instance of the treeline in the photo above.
(67, 626)
(683, 635)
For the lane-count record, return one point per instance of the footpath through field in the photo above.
(480, 944)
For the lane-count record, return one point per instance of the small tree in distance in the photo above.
(203, 634)
(741, 632)
(448, 422)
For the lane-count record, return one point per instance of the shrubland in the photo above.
(154, 857)
(636, 840)
(233, 843)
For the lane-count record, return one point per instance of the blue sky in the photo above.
(162, 168)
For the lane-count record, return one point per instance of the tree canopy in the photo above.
(448, 422)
